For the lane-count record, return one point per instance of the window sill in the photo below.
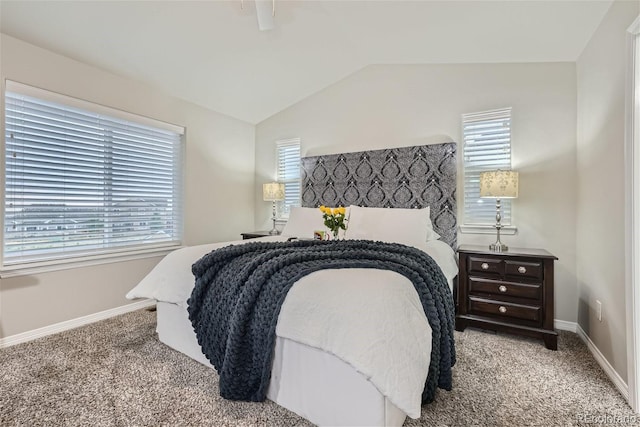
(87, 261)
(508, 230)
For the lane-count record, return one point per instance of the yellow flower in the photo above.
(334, 218)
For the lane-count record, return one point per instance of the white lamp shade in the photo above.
(499, 184)
(272, 191)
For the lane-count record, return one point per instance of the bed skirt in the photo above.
(310, 382)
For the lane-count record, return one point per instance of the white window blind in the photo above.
(81, 183)
(487, 146)
(288, 158)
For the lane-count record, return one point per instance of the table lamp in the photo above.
(499, 184)
(273, 192)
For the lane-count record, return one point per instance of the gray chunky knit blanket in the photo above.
(239, 290)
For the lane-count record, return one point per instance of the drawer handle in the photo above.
(502, 288)
(502, 309)
(484, 266)
(522, 270)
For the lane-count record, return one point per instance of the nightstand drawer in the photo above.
(530, 270)
(495, 287)
(485, 265)
(483, 306)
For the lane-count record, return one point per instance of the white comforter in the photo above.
(371, 319)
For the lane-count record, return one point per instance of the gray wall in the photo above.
(600, 215)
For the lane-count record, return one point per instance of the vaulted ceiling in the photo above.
(212, 53)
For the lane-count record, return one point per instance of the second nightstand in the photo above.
(254, 234)
(507, 291)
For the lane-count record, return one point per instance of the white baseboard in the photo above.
(563, 325)
(604, 363)
(73, 323)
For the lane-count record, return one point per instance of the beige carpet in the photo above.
(117, 373)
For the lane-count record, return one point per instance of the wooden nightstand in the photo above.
(254, 234)
(507, 291)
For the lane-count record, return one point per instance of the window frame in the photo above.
(470, 223)
(58, 260)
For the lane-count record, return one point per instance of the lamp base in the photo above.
(498, 247)
(274, 231)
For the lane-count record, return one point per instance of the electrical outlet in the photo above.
(599, 310)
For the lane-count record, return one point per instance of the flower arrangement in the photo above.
(334, 219)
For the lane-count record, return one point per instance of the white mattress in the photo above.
(310, 382)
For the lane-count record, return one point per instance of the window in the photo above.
(288, 158)
(487, 146)
(82, 179)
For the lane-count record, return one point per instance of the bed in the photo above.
(320, 380)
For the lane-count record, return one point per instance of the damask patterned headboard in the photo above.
(407, 177)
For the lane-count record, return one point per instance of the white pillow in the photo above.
(410, 227)
(303, 222)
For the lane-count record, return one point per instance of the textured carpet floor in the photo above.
(117, 373)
